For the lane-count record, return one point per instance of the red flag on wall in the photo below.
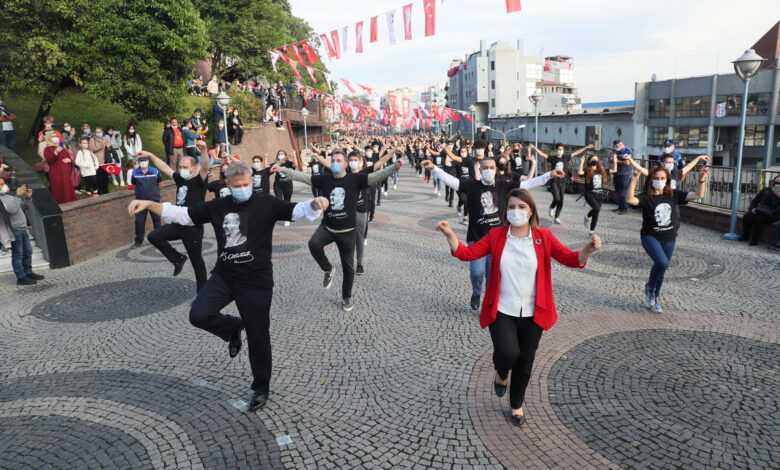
(328, 46)
(407, 108)
(311, 56)
(512, 6)
(374, 28)
(392, 100)
(334, 35)
(408, 22)
(349, 87)
(359, 37)
(430, 17)
(467, 116)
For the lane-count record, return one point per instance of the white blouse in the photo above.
(517, 292)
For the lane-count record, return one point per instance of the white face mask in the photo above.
(186, 174)
(669, 166)
(281, 157)
(55, 140)
(143, 164)
(463, 154)
(559, 153)
(257, 166)
(659, 184)
(517, 217)
(668, 150)
(488, 176)
(4, 189)
(354, 165)
(66, 128)
(369, 154)
(85, 146)
(480, 152)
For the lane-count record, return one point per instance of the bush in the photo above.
(249, 106)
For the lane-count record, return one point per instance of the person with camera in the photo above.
(21, 248)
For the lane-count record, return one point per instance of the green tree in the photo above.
(137, 53)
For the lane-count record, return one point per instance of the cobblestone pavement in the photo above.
(99, 366)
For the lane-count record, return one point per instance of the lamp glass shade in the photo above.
(223, 99)
(747, 65)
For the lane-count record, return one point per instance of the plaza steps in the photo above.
(38, 261)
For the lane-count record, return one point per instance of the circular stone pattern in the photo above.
(116, 300)
(286, 248)
(631, 262)
(679, 399)
(150, 254)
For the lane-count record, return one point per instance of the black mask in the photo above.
(593, 163)
(502, 166)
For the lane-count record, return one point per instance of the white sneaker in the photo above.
(365, 242)
(591, 233)
(124, 184)
(384, 193)
(551, 212)
(557, 221)
(586, 221)
(286, 224)
(435, 192)
(395, 186)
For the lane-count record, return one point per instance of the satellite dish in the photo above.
(654, 77)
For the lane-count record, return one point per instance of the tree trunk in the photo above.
(43, 110)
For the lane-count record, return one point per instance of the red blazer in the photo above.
(546, 246)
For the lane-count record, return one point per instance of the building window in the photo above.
(619, 132)
(755, 136)
(693, 137)
(492, 84)
(658, 108)
(560, 130)
(492, 65)
(656, 136)
(692, 106)
(757, 103)
(493, 102)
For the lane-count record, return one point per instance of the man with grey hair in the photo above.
(243, 272)
(191, 181)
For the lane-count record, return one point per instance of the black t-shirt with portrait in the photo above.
(282, 178)
(467, 168)
(189, 192)
(342, 194)
(553, 159)
(244, 234)
(595, 183)
(519, 164)
(485, 204)
(219, 189)
(261, 180)
(659, 218)
(365, 194)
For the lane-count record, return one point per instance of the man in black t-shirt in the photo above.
(191, 181)
(261, 175)
(243, 224)
(486, 197)
(558, 161)
(342, 188)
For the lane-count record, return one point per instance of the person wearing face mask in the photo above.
(283, 185)
(243, 224)
(621, 159)
(98, 144)
(218, 137)
(48, 126)
(342, 189)
(677, 175)
(146, 181)
(261, 175)
(668, 149)
(13, 207)
(174, 142)
(659, 202)
(467, 168)
(86, 132)
(196, 120)
(519, 302)
(219, 187)
(88, 165)
(69, 137)
(592, 189)
(191, 181)
(7, 132)
(485, 197)
(235, 127)
(764, 209)
(558, 185)
(132, 142)
(60, 168)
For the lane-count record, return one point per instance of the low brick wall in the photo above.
(99, 224)
(719, 220)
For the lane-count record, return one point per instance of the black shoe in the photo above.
(500, 389)
(26, 281)
(136, 244)
(518, 420)
(258, 400)
(621, 212)
(179, 265)
(234, 345)
(359, 270)
(327, 281)
(35, 277)
(474, 302)
(346, 304)
(616, 210)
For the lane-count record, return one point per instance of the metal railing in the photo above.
(720, 182)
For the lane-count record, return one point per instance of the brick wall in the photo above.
(99, 224)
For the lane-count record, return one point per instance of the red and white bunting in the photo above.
(373, 35)
(512, 6)
(359, 37)
(348, 85)
(329, 50)
(391, 27)
(334, 35)
(311, 56)
(407, 10)
(429, 6)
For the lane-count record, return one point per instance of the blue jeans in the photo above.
(8, 138)
(395, 178)
(661, 254)
(479, 269)
(21, 254)
(436, 183)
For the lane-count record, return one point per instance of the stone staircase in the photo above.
(38, 262)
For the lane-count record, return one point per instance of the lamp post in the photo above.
(473, 110)
(504, 133)
(746, 67)
(223, 100)
(305, 114)
(536, 98)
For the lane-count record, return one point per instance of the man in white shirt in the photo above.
(8, 134)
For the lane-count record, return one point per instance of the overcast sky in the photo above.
(614, 43)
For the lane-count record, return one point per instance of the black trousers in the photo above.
(102, 181)
(140, 224)
(191, 237)
(254, 306)
(621, 183)
(345, 242)
(558, 187)
(237, 135)
(89, 182)
(283, 190)
(377, 192)
(515, 340)
(594, 201)
(753, 224)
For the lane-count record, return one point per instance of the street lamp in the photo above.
(746, 66)
(504, 133)
(536, 98)
(305, 114)
(223, 100)
(473, 110)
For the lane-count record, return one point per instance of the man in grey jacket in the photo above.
(21, 248)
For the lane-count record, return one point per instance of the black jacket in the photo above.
(167, 139)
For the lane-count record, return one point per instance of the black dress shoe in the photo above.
(179, 265)
(234, 345)
(474, 302)
(359, 270)
(500, 389)
(35, 277)
(26, 281)
(258, 400)
(136, 244)
(518, 420)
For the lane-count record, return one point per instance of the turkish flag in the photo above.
(349, 87)
(407, 108)
(298, 55)
(359, 37)
(512, 6)
(430, 17)
(392, 100)
(374, 28)
(334, 35)
(294, 65)
(311, 56)
(328, 46)
(408, 22)
(467, 116)
(112, 169)
(417, 113)
(310, 69)
(368, 90)
(436, 113)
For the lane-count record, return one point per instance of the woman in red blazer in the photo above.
(518, 302)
